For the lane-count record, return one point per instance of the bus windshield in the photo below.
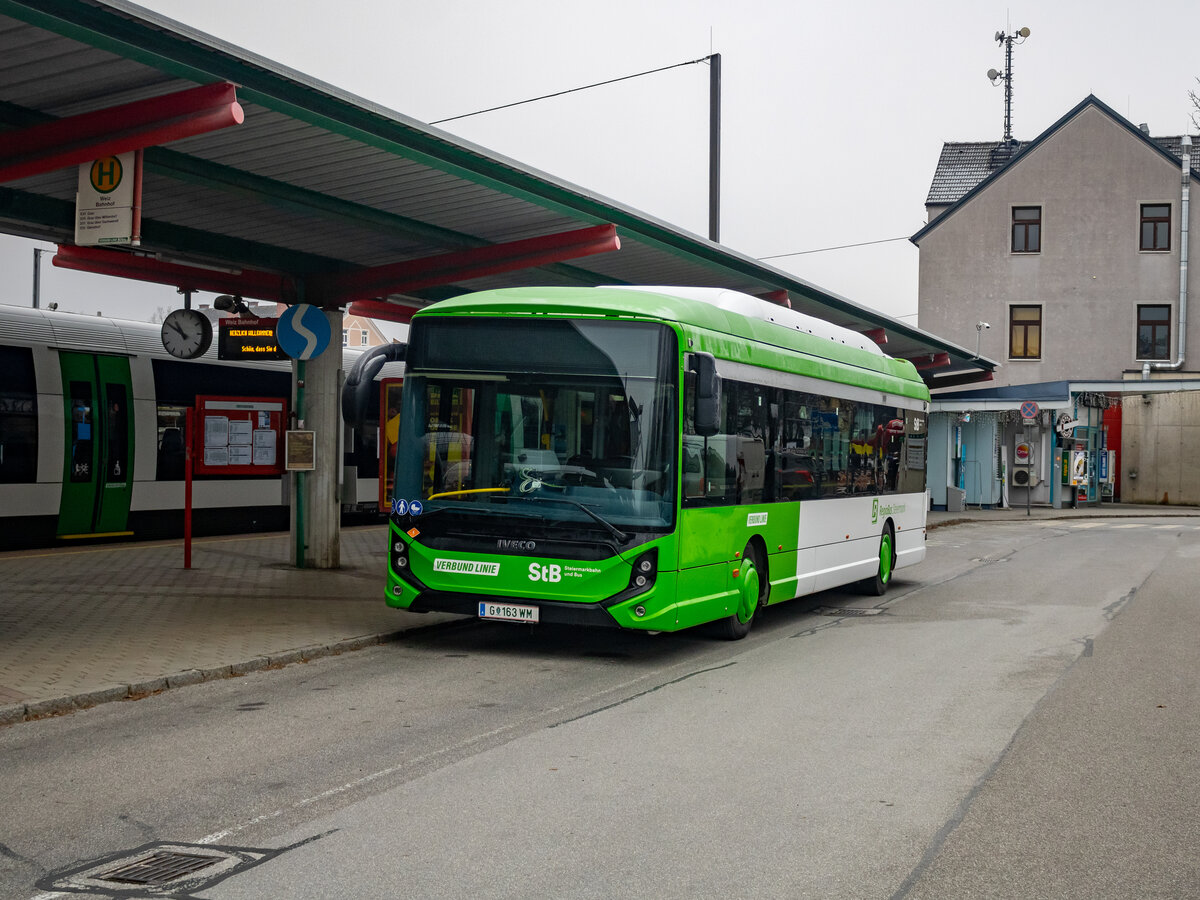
(564, 420)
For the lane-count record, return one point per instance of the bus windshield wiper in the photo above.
(595, 516)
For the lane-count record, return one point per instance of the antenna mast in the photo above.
(1007, 40)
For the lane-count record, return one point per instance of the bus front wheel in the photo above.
(752, 578)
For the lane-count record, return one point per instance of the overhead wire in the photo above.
(479, 112)
(839, 247)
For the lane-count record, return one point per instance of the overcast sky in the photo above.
(833, 115)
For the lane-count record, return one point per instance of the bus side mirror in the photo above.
(708, 395)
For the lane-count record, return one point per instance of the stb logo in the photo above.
(544, 573)
(875, 511)
(106, 174)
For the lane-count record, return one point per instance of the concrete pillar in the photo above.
(316, 518)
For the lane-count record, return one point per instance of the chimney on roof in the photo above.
(1144, 129)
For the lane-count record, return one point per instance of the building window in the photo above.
(1153, 332)
(1027, 229)
(1156, 226)
(1025, 332)
(362, 337)
(345, 337)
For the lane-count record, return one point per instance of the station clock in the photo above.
(187, 333)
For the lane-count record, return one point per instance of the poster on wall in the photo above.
(1079, 467)
(240, 435)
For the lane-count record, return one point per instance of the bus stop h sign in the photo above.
(302, 331)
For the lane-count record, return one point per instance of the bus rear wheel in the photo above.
(752, 594)
(877, 585)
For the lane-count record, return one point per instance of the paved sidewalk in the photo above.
(92, 624)
(1018, 513)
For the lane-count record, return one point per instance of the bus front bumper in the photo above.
(550, 612)
(651, 610)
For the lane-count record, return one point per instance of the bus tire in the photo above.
(754, 585)
(877, 585)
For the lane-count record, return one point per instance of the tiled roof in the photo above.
(963, 165)
(966, 168)
(1174, 146)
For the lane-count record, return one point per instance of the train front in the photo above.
(535, 471)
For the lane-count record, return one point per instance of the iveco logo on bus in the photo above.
(527, 546)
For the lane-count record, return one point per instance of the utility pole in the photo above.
(714, 148)
(37, 277)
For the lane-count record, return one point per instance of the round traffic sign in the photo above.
(1029, 410)
(302, 331)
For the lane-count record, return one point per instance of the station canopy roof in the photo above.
(263, 182)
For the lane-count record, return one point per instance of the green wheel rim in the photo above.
(748, 603)
(885, 559)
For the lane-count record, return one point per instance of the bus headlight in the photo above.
(400, 562)
(645, 568)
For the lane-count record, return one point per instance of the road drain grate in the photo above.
(159, 868)
(848, 611)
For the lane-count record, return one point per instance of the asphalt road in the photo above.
(1018, 720)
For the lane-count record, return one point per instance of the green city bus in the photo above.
(648, 458)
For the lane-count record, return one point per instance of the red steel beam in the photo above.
(930, 361)
(106, 132)
(255, 284)
(781, 297)
(382, 309)
(461, 265)
(879, 336)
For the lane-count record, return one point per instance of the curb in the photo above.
(59, 706)
(1047, 515)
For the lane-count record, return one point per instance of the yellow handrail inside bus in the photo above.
(503, 490)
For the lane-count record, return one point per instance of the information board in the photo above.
(246, 339)
(301, 451)
(239, 435)
(106, 201)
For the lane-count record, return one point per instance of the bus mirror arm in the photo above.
(356, 391)
(708, 394)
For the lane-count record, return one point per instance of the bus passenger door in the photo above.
(98, 463)
(389, 434)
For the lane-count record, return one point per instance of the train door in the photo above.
(98, 466)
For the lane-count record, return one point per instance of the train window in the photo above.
(80, 394)
(18, 417)
(180, 382)
(171, 419)
(116, 430)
